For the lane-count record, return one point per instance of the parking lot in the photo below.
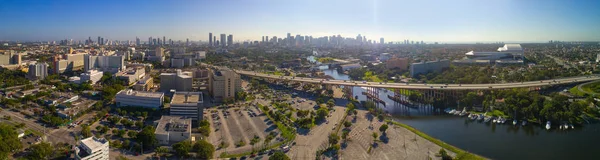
(237, 124)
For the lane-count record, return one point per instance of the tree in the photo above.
(350, 107)
(204, 149)
(85, 131)
(131, 134)
(375, 135)
(160, 151)
(330, 103)
(333, 138)
(322, 113)
(147, 137)
(345, 134)
(9, 140)
(347, 124)
(279, 155)
(383, 128)
(182, 148)
(41, 151)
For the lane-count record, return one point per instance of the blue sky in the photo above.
(395, 20)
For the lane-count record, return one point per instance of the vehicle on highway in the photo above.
(364, 82)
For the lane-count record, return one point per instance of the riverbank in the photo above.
(460, 154)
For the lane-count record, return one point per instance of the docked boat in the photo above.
(548, 125)
(515, 122)
(524, 123)
(452, 111)
(571, 125)
(487, 119)
(565, 126)
(500, 120)
(473, 117)
(480, 117)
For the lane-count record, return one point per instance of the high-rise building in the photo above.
(99, 41)
(112, 64)
(215, 40)
(38, 71)
(91, 75)
(92, 148)
(159, 51)
(230, 40)
(223, 40)
(187, 42)
(164, 40)
(210, 40)
(381, 40)
(223, 84)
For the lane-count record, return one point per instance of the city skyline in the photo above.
(453, 21)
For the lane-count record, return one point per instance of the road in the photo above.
(424, 86)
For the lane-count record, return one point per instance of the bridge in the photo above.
(424, 86)
(417, 94)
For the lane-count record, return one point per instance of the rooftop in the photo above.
(93, 142)
(187, 98)
(173, 124)
(130, 92)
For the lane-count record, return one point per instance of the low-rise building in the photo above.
(92, 148)
(426, 67)
(131, 75)
(188, 104)
(91, 75)
(397, 63)
(173, 129)
(350, 66)
(144, 84)
(130, 97)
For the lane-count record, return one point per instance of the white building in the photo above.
(38, 71)
(92, 148)
(188, 104)
(179, 81)
(112, 64)
(130, 97)
(91, 75)
(173, 129)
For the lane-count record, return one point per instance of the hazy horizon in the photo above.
(462, 21)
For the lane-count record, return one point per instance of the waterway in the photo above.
(495, 141)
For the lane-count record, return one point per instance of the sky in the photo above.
(394, 20)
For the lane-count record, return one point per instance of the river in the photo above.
(495, 141)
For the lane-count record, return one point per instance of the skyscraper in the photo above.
(230, 40)
(266, 38)
(164, 40)
(98, 40)
(215, 40)
(381, 40)
(187, 41)
(223, 41)
(210, 40)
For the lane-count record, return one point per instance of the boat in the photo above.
(524, 123)
(487, 119)
(560, 127)
(494, 120)
(480, 117)
(452, 111)
(463, 113)
(548, 125)
(515, 122)
(565, 126)
(571, 125)
(500, 120)
(473, 117)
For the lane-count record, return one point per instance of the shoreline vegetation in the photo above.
(460, 154)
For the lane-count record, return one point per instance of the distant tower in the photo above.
(210, 40)
(223, 40)
(381, 40)
(230, 40)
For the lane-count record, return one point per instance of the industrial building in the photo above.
(128, 97)
(187, 104)
(178, 81)
(426, 67)
(92, 148)
(223, 84)
(173, 129)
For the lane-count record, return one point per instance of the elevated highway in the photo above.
(424, 86)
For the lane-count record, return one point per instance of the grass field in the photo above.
(460, 154)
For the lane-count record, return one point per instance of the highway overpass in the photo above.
(424, 86)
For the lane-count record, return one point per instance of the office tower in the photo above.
(263, 39)
(38, 71)
(159, 51)
(381, 40)
(223, 83)
(223, 40)
(289, 36)
(422, 42)
(98, 40)
(154, 41)
(164, 40)
(215, 40)
(187, 41)
(266, 38)
(210, 40)
(230, 40)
